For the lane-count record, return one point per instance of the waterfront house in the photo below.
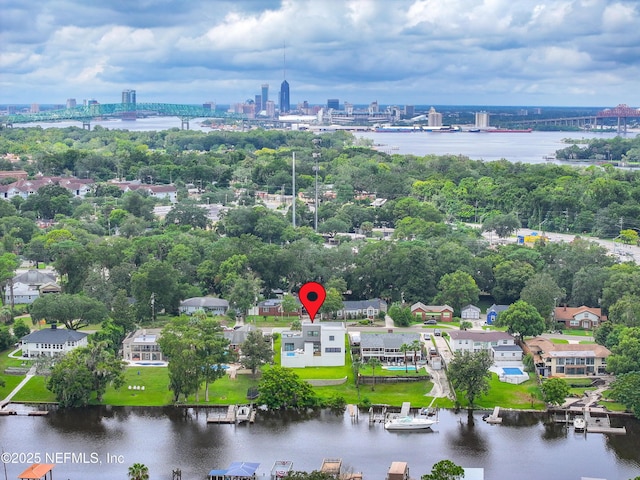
(474, 341)
(578, 317)
(142, 345)
(51, 342)
(470, 312)
(213, 305)
(493, 312)
(320, 344)
(370, 309)
(441, 313)
(567, 359)
(386, 347)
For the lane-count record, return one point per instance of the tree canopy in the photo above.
(469, 372)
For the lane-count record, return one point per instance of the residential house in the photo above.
(506, 353)
(493, 312)
(320, 344)
(567, 359)
(362, 309)
(470, 312)
(142, 346)
(213, 305)
(387, 347)
(272, 307)
(441, 313)
(398, 471)
(474, 341)
(79, 187)
(51, 342)
(579, 317)
(237, 336)
(27, 286)
(168, 192)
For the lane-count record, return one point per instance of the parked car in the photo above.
(431, 322)
(437, 332)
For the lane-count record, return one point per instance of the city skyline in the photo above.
(411, 52)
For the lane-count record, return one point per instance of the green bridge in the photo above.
(86, 113)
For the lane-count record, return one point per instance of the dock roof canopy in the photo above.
(37, 471)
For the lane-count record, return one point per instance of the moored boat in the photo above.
(408, 423)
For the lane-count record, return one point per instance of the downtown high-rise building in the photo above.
(285, 105)
(71, 103)
(482, 119)
(129, 97)
(434, 118)
(264, 98)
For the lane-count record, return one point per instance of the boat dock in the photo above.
(598, 423)
(234, 414)
(495, 417)
(377, 414)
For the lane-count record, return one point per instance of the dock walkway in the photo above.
(234, 414)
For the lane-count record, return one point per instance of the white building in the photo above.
(142, 345)
(482, 119)
(215, 306)
(317, 345)
(467, 340)
(52, 341)
(387, 347)
(470, 312)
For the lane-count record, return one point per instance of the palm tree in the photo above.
(138, 471)
(373, 363)
(416, 346)
(357, 365)
(404, 348)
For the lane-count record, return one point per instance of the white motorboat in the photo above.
(408, 423)
(579, 424)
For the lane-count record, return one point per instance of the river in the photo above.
(102, 442)
(516, 147)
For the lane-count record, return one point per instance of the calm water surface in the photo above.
(526, 446)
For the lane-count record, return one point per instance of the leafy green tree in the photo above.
(179, 342)
(626, 390)
(405, 348)
(503, 224)
(522, 319)
(138, 471)
(469, 372)
(245, 292)
(74, 311)
(626, 311)
(625, 355)
(289, 304)
(542, 292)
(555, 391)
(457, 289)
(333, 302)
(185, 213)
(213, 352)
(6, 337)
(105, 368)
(510, 278)
(281, 389)
(20, 328)
(256, 351)
(444, 470)
(9, 262)
(400, 315)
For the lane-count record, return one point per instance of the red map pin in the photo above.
(312, 295)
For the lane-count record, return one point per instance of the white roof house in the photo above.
(467, 340)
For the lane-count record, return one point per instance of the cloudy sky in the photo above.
(439, 52)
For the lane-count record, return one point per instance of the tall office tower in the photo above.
(35, 108)
(409, 110)
(264, 97)
(258, 101)
(129, 96)
(333, 103)
(482, 119)
(209, 106)
(71, 102)
(374, 107)
(435, 118)
(285, 105)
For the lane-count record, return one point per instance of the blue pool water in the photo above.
(512, 371)
(412, 368)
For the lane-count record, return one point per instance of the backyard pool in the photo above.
(512, 371)
(394, 367)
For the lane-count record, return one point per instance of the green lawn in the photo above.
(35, 391)
(506, 395)
(558, 340)
(10, 382)
(156, 388)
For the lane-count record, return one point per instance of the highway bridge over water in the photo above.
(601, 120)
(87, 113)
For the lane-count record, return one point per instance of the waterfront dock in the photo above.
(495, 417)
(595, 421)
(234, 414)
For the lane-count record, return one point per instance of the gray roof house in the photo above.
(386, 346)
(216, 306)
(52, 341)
(470, 312)
(27, 286)
(362, 308)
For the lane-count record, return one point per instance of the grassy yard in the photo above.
(35, 391)
(506, 395)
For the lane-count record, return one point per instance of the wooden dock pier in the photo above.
(599, 423)
(234, 414)
(494, 417)
(377, 414)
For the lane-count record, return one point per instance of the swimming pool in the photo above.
(393, 367)
(512, 371)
